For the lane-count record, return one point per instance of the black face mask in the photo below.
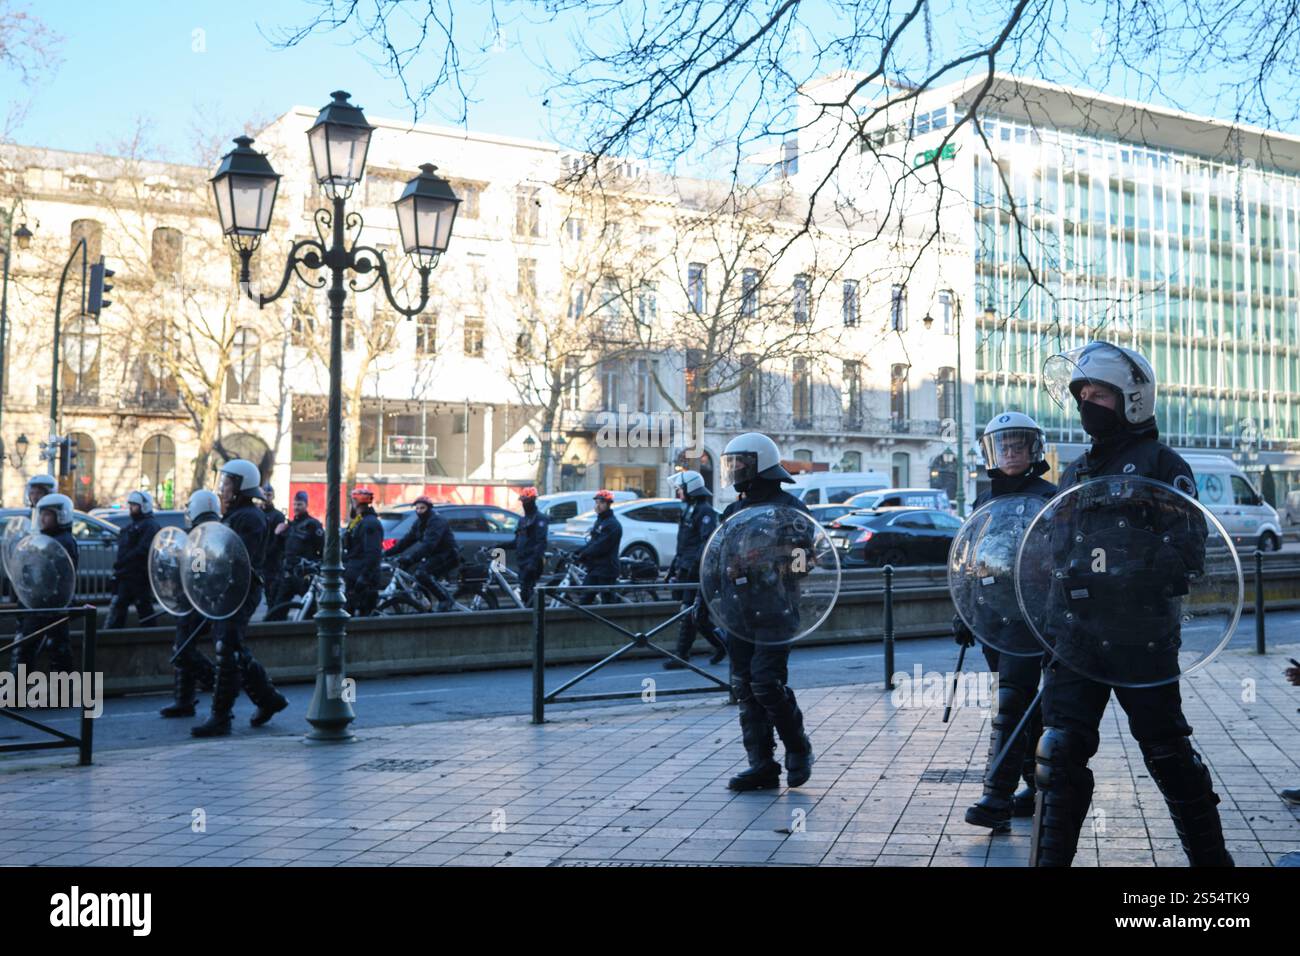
(530, 505)
(1100, 421)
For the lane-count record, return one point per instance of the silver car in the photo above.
(96, 552)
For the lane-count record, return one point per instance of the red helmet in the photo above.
(363, 495)
(604, 495)
(529, 492)
(423, 500)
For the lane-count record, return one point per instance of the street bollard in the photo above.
(89, 637)
(889, 627)
(539, 656)
(1259, 602)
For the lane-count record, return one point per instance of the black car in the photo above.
(825, 514)
(119, 518)
(475, 526)
(96, 552)
(895, 536)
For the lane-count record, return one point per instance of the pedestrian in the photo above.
(363, 550)
(698, 522)
(601, 552)
(131, 568)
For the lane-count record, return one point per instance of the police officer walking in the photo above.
(191, 669)
(363, 549)
(600, 554)
(752, 465)
(131, 569)
(1013, 449)
(273, 569)
(54, 517)
(699, 520)
(429, 548)
(1115, 392)
(240, 484)
(303, 539)
(530, 544)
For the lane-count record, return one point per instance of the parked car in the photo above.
(834, 487)
(475, 526)
(935, 498)
(563, 505)
(1291, 510)
(897, 536)
(96, 553)
(1228, 494)
(649, 529)
(828, 513)
(119, 518)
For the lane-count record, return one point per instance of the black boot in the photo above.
(1185, 784)
(719, 646)
(1022, 804)
(783, 711)
(995, 807)
(205, 675)
(269, 708)
(224, 692)
(764, 773)
(261, 691)
(184, 703)
(1065, 787)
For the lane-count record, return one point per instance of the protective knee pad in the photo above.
(1012, 702)
(1062, 761)
(741, 689)
(1177, 769)
(773, 695)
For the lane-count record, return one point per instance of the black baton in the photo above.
(947, 711)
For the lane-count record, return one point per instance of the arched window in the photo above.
(83, 474)
(166, 252)
(250, 448)
(901, 467)
(943, 473)
(158, 469)
(244, 374)
(92, 230)
(80, 347)
(850, 461)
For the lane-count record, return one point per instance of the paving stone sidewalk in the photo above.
(642, 784)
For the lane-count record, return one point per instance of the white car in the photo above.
(649, 529)
(563, 505)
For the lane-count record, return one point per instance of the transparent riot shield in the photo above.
(769, 574)
(216, 573)
(41, 572)
(16, 528)
(166, 558)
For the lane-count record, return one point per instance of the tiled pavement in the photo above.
(641, 783)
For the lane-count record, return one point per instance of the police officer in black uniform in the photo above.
(600, 554)
(1115, 390)
(751, 463)
(1013, 457)
(240, 484)
(429, 548)
(54, 517)
(699, 520)
(363, 550)
(304, 540)
(38, 486)
(131, 569)
(273, 569)
(192, 669)
(530, 544)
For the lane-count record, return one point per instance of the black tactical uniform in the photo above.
(56, 639)
(363, 549)
(303, 540)
(429, 548)
(530, 548)
(699, 521)
(1018, 678)
(131, 571)
(273, 568)
(191, 670)
(600, 554)
(1073, 705)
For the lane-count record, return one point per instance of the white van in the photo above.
(1228, 494)
(935, 498)
(834, 487)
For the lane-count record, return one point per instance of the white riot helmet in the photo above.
(62, 506)
(691, 482)
(143, 499)
(248, 480)
(751, 456)
(1101, 363)
(202, 502)
(46, 483)
(1012, 440)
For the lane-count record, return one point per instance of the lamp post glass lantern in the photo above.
(245, 187)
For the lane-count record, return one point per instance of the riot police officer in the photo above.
(240, 484)
(759, 671)
(54, 514)
(303, 539)
(273, 569)
(363, 549)
(698, 522)
(192, 669)
(1115, 392)
(530, 544)
(601, 552)
(131, 569)
(38, 486)
(429, 548)
(1013, 450)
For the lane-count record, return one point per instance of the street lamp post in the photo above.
(245, 187)
(928, 321)
(23, 236)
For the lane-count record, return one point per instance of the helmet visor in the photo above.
(1097, 364)
(1012, 450)
(739, 467)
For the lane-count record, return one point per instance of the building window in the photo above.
(946, 311)
(897, 309)
(751, 390)
(244, 374)
(851, 393)
(528, 212)
(83, 475)
(302, 329)
(695, 376)
(898, 393)
(574, 228)
(804, 455)
(469, 197)
(696, 293)
(611, 374)
(349, 325)
(901, 469)
(945, 386)
(81, 361)
(577, 303)
(749, 294)
(647, 304)
(166, 252)
(92, 231)
(850, 461)
(801, 308)
(527, 287)
(849, 311)
(801, 399)
(474, 338)
(426, 333)
(157, 384)
(569, 384)
(646, 391)
(158, 469)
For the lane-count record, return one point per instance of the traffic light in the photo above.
(99, 287)
(67, 456)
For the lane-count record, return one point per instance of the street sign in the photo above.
(411, 447)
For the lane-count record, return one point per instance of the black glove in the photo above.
(961, 633)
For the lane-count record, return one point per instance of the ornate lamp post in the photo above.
(245, 186)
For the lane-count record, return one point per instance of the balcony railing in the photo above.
(828, 424)
(150, 402)
(79, 398)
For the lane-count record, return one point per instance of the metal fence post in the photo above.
(88, 636)
(539, 656)
(1259, 602)
(889, 627)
